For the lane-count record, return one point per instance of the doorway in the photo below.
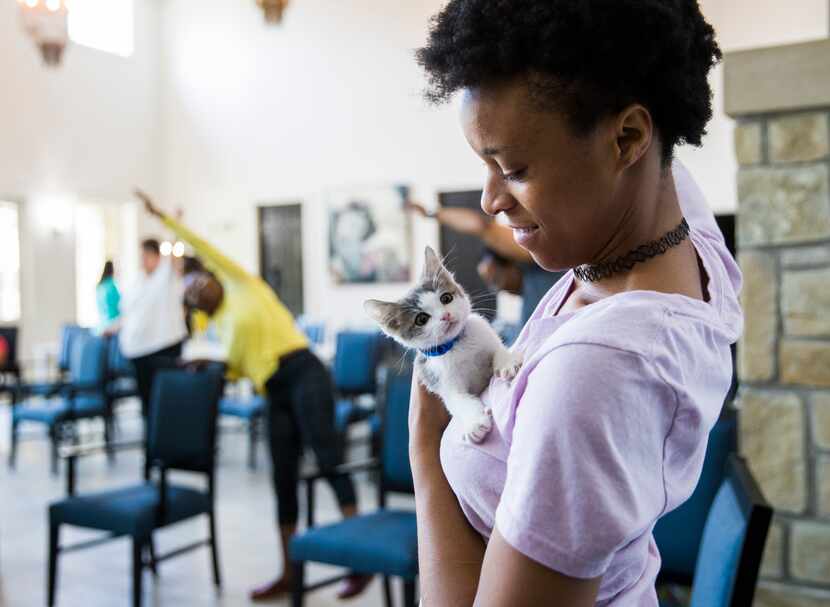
(281, 253)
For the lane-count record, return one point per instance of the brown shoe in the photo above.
(353, 586)
(273, 590)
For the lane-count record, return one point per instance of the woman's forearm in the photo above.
(450, 552)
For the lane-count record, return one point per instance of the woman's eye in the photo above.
(446, 298)
(516, 176)
(421, 319)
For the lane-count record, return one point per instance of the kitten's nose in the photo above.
(447, 317)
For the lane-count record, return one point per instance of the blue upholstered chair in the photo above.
(315, 331)
(355, 365)
(181, 436)
(383, 542)
(121, 380)
(251, 410)
(733, 542)
(82, 397)
(69, 334)
(679, 533)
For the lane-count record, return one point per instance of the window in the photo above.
(9, 263)
(105, 25)
(103, 231)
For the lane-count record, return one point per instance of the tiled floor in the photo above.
(100, 576)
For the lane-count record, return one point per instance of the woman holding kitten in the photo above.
(575, 108)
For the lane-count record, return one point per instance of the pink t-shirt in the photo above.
(605, 428)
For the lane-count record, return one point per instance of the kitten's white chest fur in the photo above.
(461, 375)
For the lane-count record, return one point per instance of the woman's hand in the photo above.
(428, 418)
(418, 208)
(149, 205)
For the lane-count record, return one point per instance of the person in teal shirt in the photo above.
(108, 297)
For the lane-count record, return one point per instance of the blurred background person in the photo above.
(107, 297)
(151, 328)
(262, 343)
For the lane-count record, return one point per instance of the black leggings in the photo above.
(301, 413)
(146, 368)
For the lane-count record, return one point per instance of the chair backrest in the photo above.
(118, 365)
(678, 534)
(10, 335)
(356, 361)
(315, 331)
(88, 360)
(395, 470)
(182, 426)
(733, 542)
(68, 335)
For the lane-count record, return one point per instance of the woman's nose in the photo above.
(495, 198)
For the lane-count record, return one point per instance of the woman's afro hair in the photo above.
(586, 58)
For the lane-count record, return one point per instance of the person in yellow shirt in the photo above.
(264, 344)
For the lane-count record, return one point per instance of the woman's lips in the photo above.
(524, 235)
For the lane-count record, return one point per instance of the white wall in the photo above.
(258, 114)
(86, 131)
(243, 114)
(742, 24)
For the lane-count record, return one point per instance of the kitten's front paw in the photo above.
(509, 367)
(477, 427)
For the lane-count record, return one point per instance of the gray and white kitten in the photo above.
(433, 315)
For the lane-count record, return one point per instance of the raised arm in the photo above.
(466, 221)
(214, 259)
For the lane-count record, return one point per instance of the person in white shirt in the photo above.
(152, 327)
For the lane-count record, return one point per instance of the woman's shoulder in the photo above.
(635, 322)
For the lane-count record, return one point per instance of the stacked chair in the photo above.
(181, 437)
(385, 541)
(60, 405)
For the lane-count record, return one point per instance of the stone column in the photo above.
(780, 98)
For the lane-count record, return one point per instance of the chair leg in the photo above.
(151, 554)
(108, 436)
(137, 571)
(54, 438)
(53, 563)
(214, 551)
(299, 585)
(387, 591)
(13, 445)
(409, 593)
(252, 438)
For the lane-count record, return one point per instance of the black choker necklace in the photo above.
(596, 272)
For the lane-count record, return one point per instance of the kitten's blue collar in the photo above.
(441, 349)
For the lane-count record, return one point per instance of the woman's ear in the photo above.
(634, 134)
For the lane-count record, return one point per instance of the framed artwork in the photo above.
(369, 235)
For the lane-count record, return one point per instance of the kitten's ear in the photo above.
(382, 313)
(377, 310)
(432, 263)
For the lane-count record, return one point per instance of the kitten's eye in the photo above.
(446, 298)
(421, 319)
